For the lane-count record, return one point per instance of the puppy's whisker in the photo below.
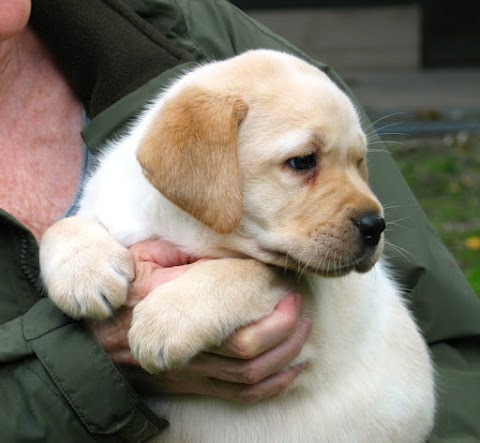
(319, 264)
(385, 134)
(407, 255)
(310, 285)
(285, 266)
(372, 125)
(322, 264)
(397, 222)
(391, 206)
(331, 262)
(385, 142)
(385, 151)
(338, 263)
(287, 262)
(306, 262)
(326, 261)
(384, 138)
(307, 265)
(298, 266)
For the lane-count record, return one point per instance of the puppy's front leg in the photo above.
(86, 272)
(200, 309)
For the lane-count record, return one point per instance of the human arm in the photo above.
(51, 371)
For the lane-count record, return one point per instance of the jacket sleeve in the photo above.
(443, 303)
(56, 384)
(51, 375)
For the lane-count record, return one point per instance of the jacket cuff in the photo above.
(90, 382)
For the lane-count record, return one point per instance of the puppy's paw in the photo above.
(165, 335)
(200, 309)
(84, 270)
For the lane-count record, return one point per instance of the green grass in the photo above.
(444, 174)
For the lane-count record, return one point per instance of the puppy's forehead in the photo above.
(286, 97)
(302, 105)
(260, 72)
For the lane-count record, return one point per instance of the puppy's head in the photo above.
(269, 154)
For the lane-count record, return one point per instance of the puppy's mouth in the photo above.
(324, 267)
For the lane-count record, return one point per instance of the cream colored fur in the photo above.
(217, 145)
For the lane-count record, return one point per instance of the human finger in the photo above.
(266, 333)
(254, 370)
(175, 382)
(161, 252)
(252, 393)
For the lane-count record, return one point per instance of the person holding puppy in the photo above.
(64, 63)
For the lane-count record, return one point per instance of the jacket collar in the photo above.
(105, 49)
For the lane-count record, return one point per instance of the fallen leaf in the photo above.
(473, 243)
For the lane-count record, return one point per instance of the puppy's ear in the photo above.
(189, 153)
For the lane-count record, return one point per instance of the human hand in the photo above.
(248, 367)
(156, 262)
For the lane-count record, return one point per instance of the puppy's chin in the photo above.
(362, 263)
(369, 258)
(365, 265)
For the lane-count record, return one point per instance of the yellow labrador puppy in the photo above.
(259, 161)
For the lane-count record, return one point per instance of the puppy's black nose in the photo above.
(371, 226)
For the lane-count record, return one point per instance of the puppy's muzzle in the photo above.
(370, 226)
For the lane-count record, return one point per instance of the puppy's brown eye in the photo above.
(303, 164)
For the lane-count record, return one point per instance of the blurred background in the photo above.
(415, 68)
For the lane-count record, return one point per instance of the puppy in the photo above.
(259, 161)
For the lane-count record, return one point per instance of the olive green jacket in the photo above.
(56, 385)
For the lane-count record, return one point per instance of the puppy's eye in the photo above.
(362, 167)
(303, 164)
